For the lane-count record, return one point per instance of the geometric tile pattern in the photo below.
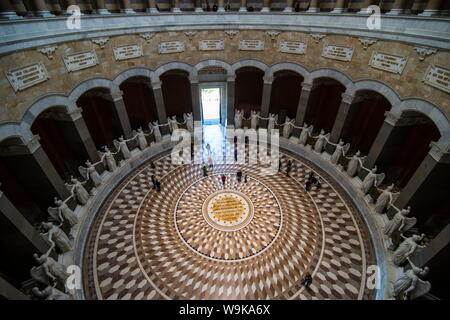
(156, 245)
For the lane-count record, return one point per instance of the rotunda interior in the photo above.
(224, 150)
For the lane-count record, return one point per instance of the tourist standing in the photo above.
(205, 171)
(239, 176)
(223, 178)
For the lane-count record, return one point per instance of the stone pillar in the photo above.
(151, 6)
(265, 102)
(422, 257)
(71, 3)
(20, 8)
(41, 9)
(398, 7)
(341, 117)
(122, 114)
(160, 107)
(231, 82)
(289, 4)
(313, 6)
(126, 7)
(47, 168)
(84, 135)
(9, 292)
(10, 212)
(380, 141)
(195, 94)
(198, 6)
(340, 7)
(243, 7)
(7, 11)
(221, 6)
(365, 6)
(434, 165)
(101, 8)
(302, 106)
(432, 9)
(176, 6)
(266, 6)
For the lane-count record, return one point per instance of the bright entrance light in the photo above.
(211, 105)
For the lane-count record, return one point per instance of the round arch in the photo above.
(288, 66)
(172, 66)
(46, 102)
(132, 72)
(378, 87)
(249, 63)
(91, 84)
(15, 129)
(214, 63)
(340, 77)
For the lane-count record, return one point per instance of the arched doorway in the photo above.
(364, 120)
(139, 101)
(100, 116)
(323, 104)
(176, 90)
(285, 95)
(248, 89)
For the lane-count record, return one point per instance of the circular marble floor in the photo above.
(200, 239)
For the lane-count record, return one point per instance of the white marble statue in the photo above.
(287, 127)
(406, 248)
(239, 114)
(79, 192)
(108, 159)
(142, 141)
(53, 269)
(321, 141)
(372, 179)
(354, 164)
(63, 212)
(254, 119)
(340, 150)
(306, 131)
(399, 222)
(384, 199)
(90, 173)
(156, 132)
(123, 147)
(273, 118)
(57, 236)
(189, 121)
(409, 286)
(173, 124)
(50, 293)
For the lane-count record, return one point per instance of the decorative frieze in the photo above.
(338, 53)
(231, 33)
(251, 45)
(366, 42)
(79, 61)
(317, 36)
(438, 77)
(295, 47)
(273, 34)
(101, 42)
(48, 51)
(190, 34)
(388, 62)
(128, 52)
(147, 36)
(209, 45)
(171, 47)
(25, 77)
(423, 52)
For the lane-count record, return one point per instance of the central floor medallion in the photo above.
(228, 210)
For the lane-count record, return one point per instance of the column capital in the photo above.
(231, 77)
(438, 153)
(117, 95)
(268, 79)
(156, 85)
(33, 144)
(347, 98)
(76, 114)
(391, 118)
(307, 86)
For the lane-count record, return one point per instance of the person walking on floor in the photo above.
(289, 167)
(223, 178)
(239, 176)
(205, 171)
(158, 185)
(307, 280)
(245, 178)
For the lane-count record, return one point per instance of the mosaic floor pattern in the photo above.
(201, 239)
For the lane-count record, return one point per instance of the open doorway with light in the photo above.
(212, 100)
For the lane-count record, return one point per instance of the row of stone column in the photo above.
(10, 10)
